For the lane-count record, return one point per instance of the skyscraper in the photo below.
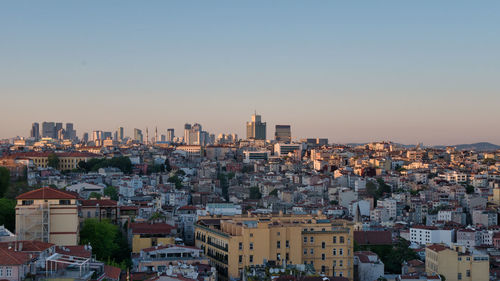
(187, 127)
(85, 137)
(170, 135)
(97, 135)
(58, 127)
(283, 133)
(70, 133)
(120, 134)
(256, 129)
(49, 130)
(35, 131)
(138, 135)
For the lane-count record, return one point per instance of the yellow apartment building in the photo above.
(67, 160)
(235, 242)
(49, 215)
(146, 235)
(456, 263)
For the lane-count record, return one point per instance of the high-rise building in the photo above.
(85, 137)
(70, 132)
(170, 135)
(187, 127)
(235, 242)
(35, 131)
(58, 127)
(283, 133)
(49, 130)
(97, 135)
(120, 134)
(107, 135)
(256, 129)
(138, 135)
(163, 138)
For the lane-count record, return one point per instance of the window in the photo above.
(8, 271)
(279, 233)
(341, 239)
(334, 251)
(251, 258)
(305, 239)
(323, 245)
(341, 252)
(334, 239)
(251, 234)
(341, 263)
(88, 214)
(251, 246)
(312, 251)
(240, 259)
(287, 243)
(312, 239)
(278, 244)
(334, 263)
(1, 271)
(305, 251)
(278, 257)
(323, 268)
(64, 202)
(467, 273)
(240, 246)
(459, 276)
(287, 256)
(323, 257)
(26, 203)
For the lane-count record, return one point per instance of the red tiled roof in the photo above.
(112, 272)
(77, 251)
(27, 245)
(188, 207)
(48, 193)
(47, 153)
(373, 237)
(437, 247)
(11, 257)
(149, 228)
(101, 202)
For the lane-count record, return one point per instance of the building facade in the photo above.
(235, 242)
(49, 215)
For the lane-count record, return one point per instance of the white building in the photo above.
(369, 266)
(423, 235)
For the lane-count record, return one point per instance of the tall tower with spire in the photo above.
(156, 134)
(147, 136)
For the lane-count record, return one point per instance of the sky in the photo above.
(350, 71)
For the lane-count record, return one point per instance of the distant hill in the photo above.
(478, 146)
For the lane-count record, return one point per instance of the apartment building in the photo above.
(235, 242)
(422, 234)
(67, 160)
(144, 235)
(49, 215)
(456, 263)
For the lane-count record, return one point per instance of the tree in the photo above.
(53, 160)
(111, 192)
(107, 241)
(255, 193)
(176, 181)
(4, 180)
(95, 195)
(167, 165)
(469, 189)
(273, 193)
(8, 213)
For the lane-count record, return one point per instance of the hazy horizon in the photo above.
(408, 72)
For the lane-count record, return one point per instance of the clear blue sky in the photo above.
(352, 71)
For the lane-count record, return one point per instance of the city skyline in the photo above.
(407, 72)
